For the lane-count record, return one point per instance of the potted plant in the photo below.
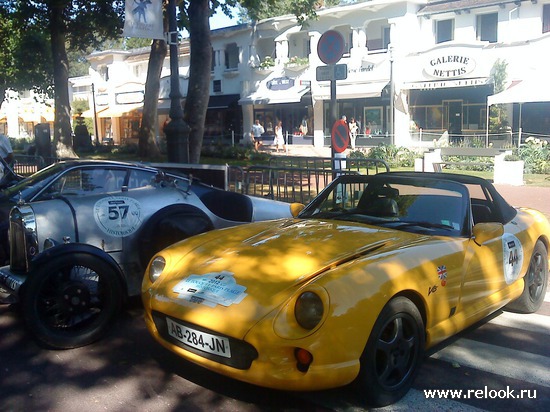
(297, 63)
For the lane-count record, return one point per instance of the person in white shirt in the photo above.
(256, 133)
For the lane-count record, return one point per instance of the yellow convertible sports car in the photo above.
(374, 271)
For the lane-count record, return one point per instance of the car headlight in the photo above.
(308, 310)
(156, 268)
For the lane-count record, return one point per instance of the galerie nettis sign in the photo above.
(449, 66)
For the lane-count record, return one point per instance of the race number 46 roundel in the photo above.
(118, 215)
(513, 257)
(340, 136)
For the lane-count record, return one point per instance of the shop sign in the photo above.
(449, 66)
(478, 81)
(129, 97)
(280, 83)
(101, 99)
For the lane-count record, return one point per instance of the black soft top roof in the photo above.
(501, 207)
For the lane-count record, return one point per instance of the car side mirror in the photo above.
(296, 209)
(484, 232)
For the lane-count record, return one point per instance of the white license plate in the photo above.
(205, 342)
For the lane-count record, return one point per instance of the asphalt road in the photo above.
(128, 371)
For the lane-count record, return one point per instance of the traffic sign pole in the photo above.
(330, 50)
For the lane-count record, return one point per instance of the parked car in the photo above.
(373, 272)
(73, 176)
(8, 176)
(76, 254)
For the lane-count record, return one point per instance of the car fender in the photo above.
(191, 214)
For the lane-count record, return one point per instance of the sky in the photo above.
(220, 20)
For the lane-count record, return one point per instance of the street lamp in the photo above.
(177, 131)
(392, 92)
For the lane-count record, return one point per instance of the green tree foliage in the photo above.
(195, 18)
(20, 46)
(66, 25)
(302, 9)
(498, 118)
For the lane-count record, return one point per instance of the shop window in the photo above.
(104, 73)
(232, 56)
(348, 44)
(428, 117)
(487, 27)
(213, 62)
(546, 18)
(474, 116)
(217, 86)
(386, 37)
(373, 121)
(444, 30)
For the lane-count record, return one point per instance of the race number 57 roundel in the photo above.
(118, 215)
(340, 136)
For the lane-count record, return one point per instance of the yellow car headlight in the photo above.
(156, 268)
(308, 310)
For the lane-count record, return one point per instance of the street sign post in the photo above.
(330, 47)
(330, 50)
(340, 136)
(332, 72)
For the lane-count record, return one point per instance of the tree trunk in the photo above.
(198, 93)
(148, 149)
(62, 124)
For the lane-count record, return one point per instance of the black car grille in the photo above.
(242, 353)
(23, 239)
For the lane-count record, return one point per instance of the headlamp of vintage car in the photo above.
(156, 267)
(22, 236)
(49, 243)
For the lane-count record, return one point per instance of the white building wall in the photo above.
(520, 38)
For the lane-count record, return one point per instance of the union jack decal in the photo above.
(442, 274)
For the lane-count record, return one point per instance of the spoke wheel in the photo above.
(71, 301)
(536, 282)
(393, 352)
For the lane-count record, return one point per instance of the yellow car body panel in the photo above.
(355, 269)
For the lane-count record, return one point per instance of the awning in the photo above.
(119, 110)
(90, 112)
(266, 96)
(351, 91)
(526, 91)
(30, 117)
(222, 101)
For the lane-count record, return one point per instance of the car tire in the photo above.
(394, 350)
(71, 301)
(536, 282)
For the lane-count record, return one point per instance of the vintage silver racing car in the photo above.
(75, 258)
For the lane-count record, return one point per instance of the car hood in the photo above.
(233, 278)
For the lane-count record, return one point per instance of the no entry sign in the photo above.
(330, 47)
(340, 136)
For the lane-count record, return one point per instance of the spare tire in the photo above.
(170, 225)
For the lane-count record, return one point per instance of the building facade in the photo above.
(410, 72)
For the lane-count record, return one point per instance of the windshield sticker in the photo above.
(512, 257)
(442, 274)
(118, 215)
(218, 288)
